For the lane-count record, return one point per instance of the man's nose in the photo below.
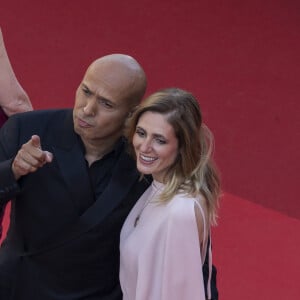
(90, 108)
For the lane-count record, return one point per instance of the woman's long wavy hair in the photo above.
(193, 171)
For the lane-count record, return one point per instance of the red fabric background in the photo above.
(241, 59)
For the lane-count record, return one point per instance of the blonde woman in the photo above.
(166, 237)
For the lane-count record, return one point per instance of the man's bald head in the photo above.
(111, 87)
(124, 72)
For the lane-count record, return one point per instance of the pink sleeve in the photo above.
(182, 276)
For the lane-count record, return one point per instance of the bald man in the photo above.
(72, 184)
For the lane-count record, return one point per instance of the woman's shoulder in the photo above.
(185, 207)
(184, 199)
(182, 206)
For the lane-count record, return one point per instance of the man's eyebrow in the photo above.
(105, 99)
(85, 86)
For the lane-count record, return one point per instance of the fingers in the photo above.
(35, 141)
(30, 157)
(48, 157)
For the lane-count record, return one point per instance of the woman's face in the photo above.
(155, 145)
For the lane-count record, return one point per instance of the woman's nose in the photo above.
(146, 145)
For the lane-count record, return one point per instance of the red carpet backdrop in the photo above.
(242, 60)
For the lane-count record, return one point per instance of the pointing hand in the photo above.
(30, 157)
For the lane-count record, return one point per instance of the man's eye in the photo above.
(106, 103)
(86, 91)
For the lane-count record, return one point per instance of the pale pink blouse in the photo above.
(161, 258)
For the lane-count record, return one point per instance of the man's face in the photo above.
(101, 107)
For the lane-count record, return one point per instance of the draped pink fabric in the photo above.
(161, 257)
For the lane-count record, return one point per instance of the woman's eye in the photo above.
(140, 133)
(160, 141)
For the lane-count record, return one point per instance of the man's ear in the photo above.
(132, 111)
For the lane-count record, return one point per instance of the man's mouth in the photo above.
(83, 123)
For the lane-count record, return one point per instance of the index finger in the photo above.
(35, 141)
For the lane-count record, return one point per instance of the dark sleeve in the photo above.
(3, 117)
(213, 274)
(9, 146)
(1, 219)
